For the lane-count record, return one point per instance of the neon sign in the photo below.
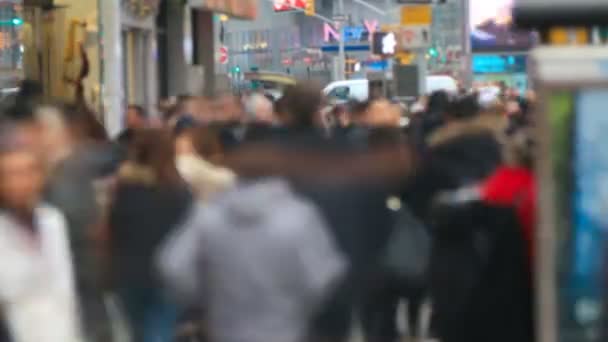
(351, 33)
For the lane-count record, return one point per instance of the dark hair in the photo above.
(358, 108)
(280, 106)
(302, 104)
(141, 112)
(83, 123)
(25, 102)
(439, 102)
(207, 141)
(464, 107)
(270, 98)
(154, 149)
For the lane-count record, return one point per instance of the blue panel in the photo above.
(334, 48)
(499, 64)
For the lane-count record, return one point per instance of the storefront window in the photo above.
(11, 43)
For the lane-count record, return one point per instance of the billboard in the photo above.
(289, 5)
(492, 29)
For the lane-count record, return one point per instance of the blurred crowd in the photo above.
(249, 218)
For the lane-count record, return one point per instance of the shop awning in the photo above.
(245, 9)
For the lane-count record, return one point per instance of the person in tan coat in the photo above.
(198, 159)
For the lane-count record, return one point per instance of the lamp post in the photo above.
(341, 75)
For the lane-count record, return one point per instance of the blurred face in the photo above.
(382, 114)
(228, 109)
(21, 179)
(184, 145)
(134, 119)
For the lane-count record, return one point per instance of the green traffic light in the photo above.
(433, 52)
(17, 21)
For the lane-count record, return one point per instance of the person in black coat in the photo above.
(479, 280)
(463, 151)
(150, 200)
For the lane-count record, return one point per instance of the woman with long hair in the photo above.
(150, 200)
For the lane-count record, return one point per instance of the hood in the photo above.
(254, 200)
(480, 125)
(465, 152)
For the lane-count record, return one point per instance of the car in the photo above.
(359, 90)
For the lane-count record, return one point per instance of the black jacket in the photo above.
(480, 280)
(479, 277)
(459, 154)
(141, 217)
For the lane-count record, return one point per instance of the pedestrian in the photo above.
(199, 161)
(464, 150)
(437, 107)
(260, 273)
(475, 243)
(73, 164)
(346, 178)
(514, 185)
(259, 109)
(37, 291)
(135, 119)
(150, 200)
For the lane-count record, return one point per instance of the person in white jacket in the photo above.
(37, 295)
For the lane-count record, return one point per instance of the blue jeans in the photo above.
(152, 316)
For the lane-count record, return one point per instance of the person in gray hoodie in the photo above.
(259, 260)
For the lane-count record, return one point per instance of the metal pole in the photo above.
(422, 71)
(342, 49)
(467, 53)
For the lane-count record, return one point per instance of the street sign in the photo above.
(223, 58)
(340, 18)
(413, 37)
(417, 15)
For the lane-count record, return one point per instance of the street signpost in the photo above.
(340, 18)
(413, 37)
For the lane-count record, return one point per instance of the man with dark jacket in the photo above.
(476, 245)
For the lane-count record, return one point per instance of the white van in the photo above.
(341, 91)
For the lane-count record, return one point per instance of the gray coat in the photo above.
(259, 259)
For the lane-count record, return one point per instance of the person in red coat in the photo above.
(514, 184)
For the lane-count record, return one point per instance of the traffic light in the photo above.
(236, 70)
(433, 52)
(310, 8)
(16, 21)
(350, 66)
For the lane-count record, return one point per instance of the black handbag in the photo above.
(408, 251)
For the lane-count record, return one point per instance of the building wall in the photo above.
(259, 42)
